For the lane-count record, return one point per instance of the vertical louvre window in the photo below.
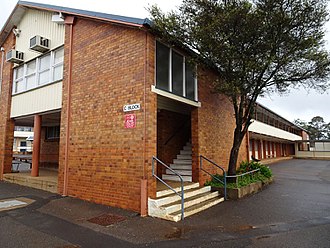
(44, 70)
(40, 71)
(173, 74)
(58, 64)
(177, 74)
(18, 81)
(30, 75)
(190, 83)
(162, 61)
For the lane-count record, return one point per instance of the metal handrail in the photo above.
(161, 180)
(243, 174)
(223, 171)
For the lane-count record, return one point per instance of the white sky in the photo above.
(296, 104)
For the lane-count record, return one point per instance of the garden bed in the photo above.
(237, 193)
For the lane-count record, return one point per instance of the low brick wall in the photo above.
(250, 189)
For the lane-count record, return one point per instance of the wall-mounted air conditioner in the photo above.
(15, 56)
(39, 44)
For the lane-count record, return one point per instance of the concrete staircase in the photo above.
(181, 165)
(167, 204)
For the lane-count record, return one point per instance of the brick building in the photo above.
(104, 96)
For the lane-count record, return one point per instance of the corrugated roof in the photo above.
(87, 13)
(21, 6)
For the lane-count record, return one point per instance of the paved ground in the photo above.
(292, 212)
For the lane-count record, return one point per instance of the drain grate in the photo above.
(107, 219)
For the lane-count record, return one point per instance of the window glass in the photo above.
(30, 81)
(52, 133)
(44, 77)
(190, 83)
(162, 66)
(58, 73)
(59, 56)
(19, 86)
(177, 73)
(31, 67)
(19, 72)
(44, 63)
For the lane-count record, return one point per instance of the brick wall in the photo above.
(173, 131)
(212, 129)
(49, 151)
(6, 124)
(106, 162)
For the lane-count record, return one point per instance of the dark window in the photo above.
(52, 133)
(190, 83)
(162, 64)
(182, 80)
(177, 74)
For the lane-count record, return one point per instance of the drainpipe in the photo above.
(1, 74)
(144, 181)
(2, 64)
(68, 21)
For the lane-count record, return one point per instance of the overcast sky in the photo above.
(296, 104)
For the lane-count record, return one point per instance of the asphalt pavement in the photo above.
(294, 211)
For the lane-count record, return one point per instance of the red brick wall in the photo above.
(6, 124)
(173, 131)
(213, 129)
(49, 151)
(106, 162)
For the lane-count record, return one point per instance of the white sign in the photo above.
(131, 107)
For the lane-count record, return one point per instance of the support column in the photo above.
(36, 146)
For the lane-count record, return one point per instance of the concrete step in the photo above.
(176, 178)
(172, 198)
(181, 161)
(184, 157)
(183, 152)
(181, 166)
(176, 206)
(181, 172)
(195, 209)
(178, 189)
(187, 148)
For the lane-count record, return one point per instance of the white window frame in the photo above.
(37, 72)
(170, 87)
(53, 65)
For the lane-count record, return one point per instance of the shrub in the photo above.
(260, 176)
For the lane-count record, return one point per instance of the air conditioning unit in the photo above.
(15, 56)
(39, 44)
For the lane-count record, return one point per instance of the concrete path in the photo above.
(292, 212)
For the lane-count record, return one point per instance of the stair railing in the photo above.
(162, 181)
(224, 181)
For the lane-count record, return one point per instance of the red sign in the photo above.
(130, 121)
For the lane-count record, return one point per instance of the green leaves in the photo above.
(317, 128)
(256, 46)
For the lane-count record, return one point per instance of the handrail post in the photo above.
(225, 184)
(162, 181)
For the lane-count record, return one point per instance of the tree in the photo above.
(255, 46)
(317, 128)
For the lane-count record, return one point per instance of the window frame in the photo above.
(37, 72)
(170, 76)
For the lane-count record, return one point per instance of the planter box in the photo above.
(244, 191)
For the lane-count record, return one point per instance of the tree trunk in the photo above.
(238, 137)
